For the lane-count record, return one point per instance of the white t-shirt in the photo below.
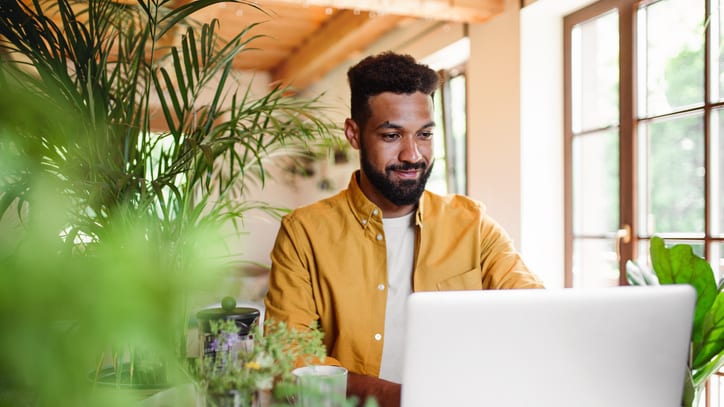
(400, 239)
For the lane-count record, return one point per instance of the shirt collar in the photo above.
(364, 210)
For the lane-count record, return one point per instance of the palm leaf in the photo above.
(106, 62)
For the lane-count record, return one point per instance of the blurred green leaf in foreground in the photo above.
(61, 309)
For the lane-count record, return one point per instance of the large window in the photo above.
(593, 145)
(449, 176)
(450, 172)
(644, 135)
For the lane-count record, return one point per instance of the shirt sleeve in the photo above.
(290, 297)
(501, 264)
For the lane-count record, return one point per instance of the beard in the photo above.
(400, 193)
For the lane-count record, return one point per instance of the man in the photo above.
(350, 261)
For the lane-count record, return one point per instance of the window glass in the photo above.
(716, 253)
(459, 136)
(642, 259)
(438, 178)
(671, 152)
(595, 65)
(595, 183)
(673, 58)
(594, 263)
(449, 174)
(716, 155)
(717, 38)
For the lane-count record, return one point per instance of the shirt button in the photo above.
(378, 337)
(375, 212)
(379, 236)
(381, 287)
(364, 221)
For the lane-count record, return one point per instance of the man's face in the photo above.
(396, 147)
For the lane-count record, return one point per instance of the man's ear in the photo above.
(352, 132)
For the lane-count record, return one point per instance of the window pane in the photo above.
(594, 263)
(449, 174)
(716, 155)
(595, 183)
(671, 178)
(595, 84)
(438, 177)
(643, 259)
(459, 136)
(716, 252)
(717, 40)
(437, 183)
(674, 55)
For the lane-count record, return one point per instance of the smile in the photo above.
(408, 174)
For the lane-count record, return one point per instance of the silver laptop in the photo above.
(610, 347)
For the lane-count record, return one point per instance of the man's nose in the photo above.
(410, 152)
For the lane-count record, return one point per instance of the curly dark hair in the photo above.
(386, 72)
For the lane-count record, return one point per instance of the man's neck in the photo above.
(397, 211)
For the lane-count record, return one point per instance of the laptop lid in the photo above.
(609, 347)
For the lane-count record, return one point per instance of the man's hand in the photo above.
(387, 393)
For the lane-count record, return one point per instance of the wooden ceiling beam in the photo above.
(470, 11)
(340, 37)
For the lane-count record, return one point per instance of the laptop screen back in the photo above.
(619, 346)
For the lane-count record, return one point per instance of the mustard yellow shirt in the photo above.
(329, 265)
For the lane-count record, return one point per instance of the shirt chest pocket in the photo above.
(469, 280)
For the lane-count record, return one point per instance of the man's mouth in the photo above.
(408, 173)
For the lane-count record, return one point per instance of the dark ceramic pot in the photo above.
(243, 317)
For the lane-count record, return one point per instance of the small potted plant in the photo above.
(253, 370)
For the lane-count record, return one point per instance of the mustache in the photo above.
(406, 167)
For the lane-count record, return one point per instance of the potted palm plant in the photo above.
(138, 75)
(160, 131)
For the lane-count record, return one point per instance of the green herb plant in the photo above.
(261, 364)
(680, 265)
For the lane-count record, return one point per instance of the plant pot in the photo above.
(243, 318)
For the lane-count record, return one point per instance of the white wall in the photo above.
(541, 114)
(494, 118)
(515, 132)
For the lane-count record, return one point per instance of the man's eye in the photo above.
(390, 136)
(426, 134)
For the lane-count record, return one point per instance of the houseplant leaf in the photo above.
(708, 354)
(679, 265)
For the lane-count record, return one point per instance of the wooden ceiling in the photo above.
(301, 40)
(304, 39)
